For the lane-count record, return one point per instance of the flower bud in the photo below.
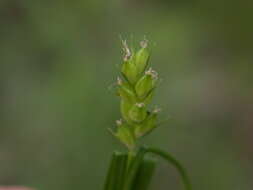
(142, 57)
(138, 112)
(146, 83)
(148, 125)
(124, 134)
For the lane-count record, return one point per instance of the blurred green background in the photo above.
(59, 59)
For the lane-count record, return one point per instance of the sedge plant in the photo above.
(133, 169)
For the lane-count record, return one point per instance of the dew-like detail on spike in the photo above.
(152, 73)
(126, 50)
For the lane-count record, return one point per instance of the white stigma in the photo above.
(119, 81)
(157, 110)
(140, 105)
(119, 122)
(152, 72)
(126, 50)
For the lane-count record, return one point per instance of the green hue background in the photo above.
(59, 61)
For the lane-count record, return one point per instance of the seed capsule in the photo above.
(146, 83)
(124, 134)
(126, 92)
(125, 108)
(148, 125)
(138, 112)
(129, 70)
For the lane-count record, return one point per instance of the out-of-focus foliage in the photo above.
(59, 60)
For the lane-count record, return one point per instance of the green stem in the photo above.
(133, 168)
(175, 163)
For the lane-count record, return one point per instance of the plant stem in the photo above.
(133, 169)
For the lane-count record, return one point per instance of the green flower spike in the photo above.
(135, 88)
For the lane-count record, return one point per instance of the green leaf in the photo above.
(121, 170)
(117, 171)
(145, 174)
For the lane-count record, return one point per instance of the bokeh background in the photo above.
(59, 61)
